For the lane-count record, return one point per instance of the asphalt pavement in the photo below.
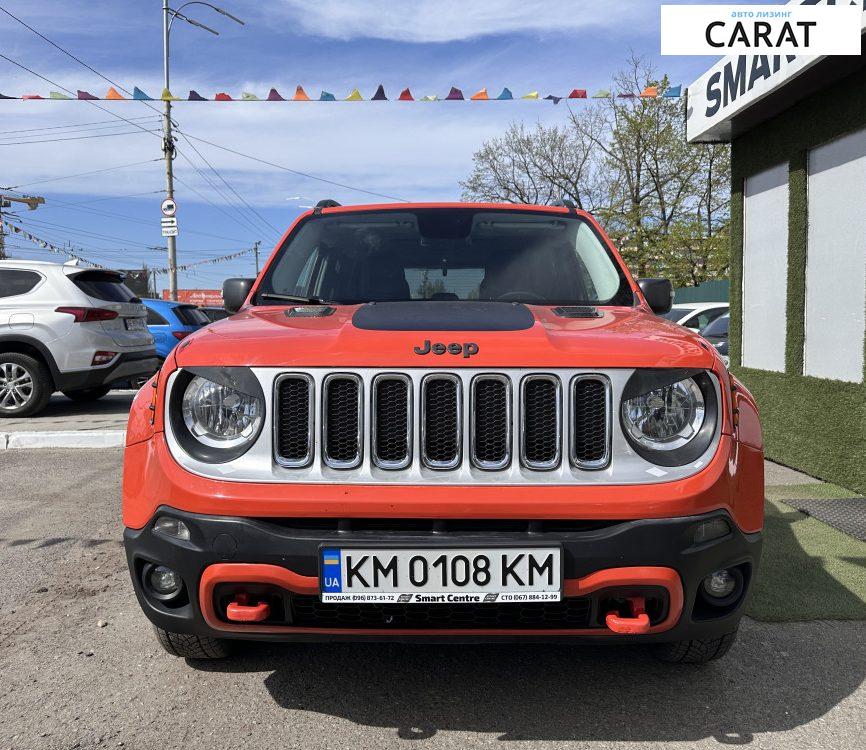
(79, 667)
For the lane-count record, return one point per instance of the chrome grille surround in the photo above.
(260, 464)
(526, 428)
(307, 459)
(426, 413)
(327, 438)
(604, 460)
(386, 463)
(487, 464)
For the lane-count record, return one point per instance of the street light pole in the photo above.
(168, 151)
(32, 202)
(168, 16)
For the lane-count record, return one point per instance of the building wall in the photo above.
(814, 424)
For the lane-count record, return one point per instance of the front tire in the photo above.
(190, 646)
(695, 652)
(88, 394)
(25, 385)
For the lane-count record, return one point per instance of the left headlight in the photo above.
(669, 417)
(217, 413)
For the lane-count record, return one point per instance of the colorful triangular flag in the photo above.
(85, 95)
(674, 91)
(194, 96)
(577, 94)
(167, 96)
(222, 97)
(274, 96)
(57, 95)
(3, 96)
(530, 95)
(355, 96)
(552, 98)
(35, 96)
(246, 96)
(140, 96)
(379, 96)
(506, 94)
(327, 96)
(626, 95)
(113, 94)
(406, 96)
(650, 92)
(601, 94)
(454, 95)
(480, 96)
(429, 98)
(300, 95)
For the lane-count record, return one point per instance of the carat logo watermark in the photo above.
(760, 29)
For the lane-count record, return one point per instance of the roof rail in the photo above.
(326, 203)
(565, 203)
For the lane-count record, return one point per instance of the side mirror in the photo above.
(235, 293)
(659, 294)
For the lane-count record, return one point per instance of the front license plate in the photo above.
(134, 324)
(441, 576)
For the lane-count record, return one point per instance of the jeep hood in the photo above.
(621, 337)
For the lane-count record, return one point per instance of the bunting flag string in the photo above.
(208, 261)
(355, 95)
(45, 245)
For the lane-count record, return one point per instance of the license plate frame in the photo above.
(451, 595)
(138, 324)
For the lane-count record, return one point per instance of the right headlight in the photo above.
(217, 413)
(669, 416)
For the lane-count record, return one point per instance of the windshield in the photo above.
(675, 313)
(719, 327)
(446, 254)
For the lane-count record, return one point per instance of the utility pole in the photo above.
(32, 202)
(168, 16)
(256, 251)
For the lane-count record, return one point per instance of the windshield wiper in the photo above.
(293, 298)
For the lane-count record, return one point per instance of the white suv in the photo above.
(67, 328)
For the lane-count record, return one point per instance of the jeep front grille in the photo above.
(441, 421)
(471, 424)
(342, 421)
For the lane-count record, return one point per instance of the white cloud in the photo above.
(453, 20)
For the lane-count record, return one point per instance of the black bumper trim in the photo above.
(127, 365)
(647, 542)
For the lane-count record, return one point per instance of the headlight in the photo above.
(669, 416)
(217, 413)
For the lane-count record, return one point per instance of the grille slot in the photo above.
(293, 420)
(491, 422)
(342, 421)
(573, 612)
(392, 421)
(590, 422)
(441, 421)
(541, 422)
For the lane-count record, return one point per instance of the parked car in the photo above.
(215, 313)
(67, 328)
(717, 334)
(696, 315)
(444, 422)
(171, 322)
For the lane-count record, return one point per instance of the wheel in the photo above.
(88, 394)
(695, 652)
(189, 646)
(25, 385)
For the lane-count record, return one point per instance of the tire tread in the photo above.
(191, 646)
(695, 651)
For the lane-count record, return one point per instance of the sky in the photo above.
(407, 151)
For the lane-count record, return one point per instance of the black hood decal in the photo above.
(425, 315)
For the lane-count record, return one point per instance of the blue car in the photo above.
(171, 322)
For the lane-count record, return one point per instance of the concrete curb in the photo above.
(63, 439)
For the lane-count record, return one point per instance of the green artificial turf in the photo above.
(808, 570)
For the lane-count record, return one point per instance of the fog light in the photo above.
(164, 581)
(720, 584)
(709, 530)
(172, 527)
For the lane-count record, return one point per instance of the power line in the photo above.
(85, 174)
(75, 138)
(81, 125)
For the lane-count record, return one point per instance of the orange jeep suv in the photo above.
(458, 422)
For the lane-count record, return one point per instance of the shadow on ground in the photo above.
(776, 678)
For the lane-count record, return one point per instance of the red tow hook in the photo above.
(241, 610)
(636, 625)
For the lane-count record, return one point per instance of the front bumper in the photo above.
(126, 366)
(601, 560)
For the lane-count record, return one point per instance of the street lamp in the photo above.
(168, 17)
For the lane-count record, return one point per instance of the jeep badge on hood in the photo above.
(467, 349)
